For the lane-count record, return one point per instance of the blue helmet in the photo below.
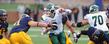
(93, 9)
(3, 12)
(3, 15)
(27, 11)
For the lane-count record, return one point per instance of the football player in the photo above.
(3, 27)
(18, 34)
(57, 35)
(98, 30)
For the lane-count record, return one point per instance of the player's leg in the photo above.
(14, 38)
(49, 40)
(25, 38)
(90, 32)
(91, 42)
(62, 38)
(104, 42)
(77, 35)
(5, 33)
(95, 36)
(4, 41)
(53, 38)
(106, 37)
(68, 40)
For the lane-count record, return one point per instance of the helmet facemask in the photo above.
(3, 15)
(93, 9)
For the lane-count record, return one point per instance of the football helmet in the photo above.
(93, 9)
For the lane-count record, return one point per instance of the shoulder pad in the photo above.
(25, 15)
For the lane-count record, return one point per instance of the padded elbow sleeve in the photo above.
(79, 24)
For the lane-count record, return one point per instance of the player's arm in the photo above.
(107, 14)
(5, 31)
(44, 29)
(38, 24)
(69, 25)
(82, 23)
(67, 22)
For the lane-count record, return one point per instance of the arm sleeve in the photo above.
(107, 14)
(86, 17)
(42, 19)
(64, 19)
(69, 11)
(5, 27)
(28, 19)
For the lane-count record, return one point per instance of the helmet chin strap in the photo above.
(2, 20)
(94, 12)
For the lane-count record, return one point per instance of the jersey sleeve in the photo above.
(57, 11)
(107, 14)
(64, 19)
(25, 20)
(28, 19)
(68, 10)
(6, 28)
(86, 17)
(43, 17)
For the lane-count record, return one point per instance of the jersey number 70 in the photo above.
(98, 19)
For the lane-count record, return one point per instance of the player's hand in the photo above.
(53, 25)
(76, 36)
(49, 25)
(73, 24)
(44, 31)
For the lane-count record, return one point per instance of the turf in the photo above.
(37, 38)
(12, 7)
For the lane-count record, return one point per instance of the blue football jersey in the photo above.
(23, 24)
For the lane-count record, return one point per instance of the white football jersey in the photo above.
(58, 19)
(68, 10)
(97, 20)
(46, 18)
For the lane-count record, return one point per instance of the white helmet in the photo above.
(50, 6)
(21, 9)
(93, 9)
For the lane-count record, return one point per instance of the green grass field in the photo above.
(37, 38)
(13, 7)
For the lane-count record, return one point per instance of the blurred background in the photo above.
(79, 9)
(38, 5)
